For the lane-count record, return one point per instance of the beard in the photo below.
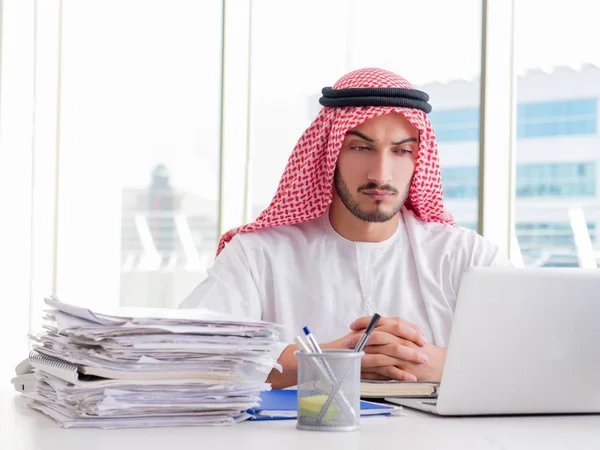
(376, 216)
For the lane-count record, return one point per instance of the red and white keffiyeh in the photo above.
(306, 187)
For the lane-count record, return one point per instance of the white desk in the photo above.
(25, 429)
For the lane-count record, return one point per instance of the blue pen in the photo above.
(315, 348)
(312, 340)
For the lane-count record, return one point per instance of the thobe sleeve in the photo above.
(475, 251)
(230, 287)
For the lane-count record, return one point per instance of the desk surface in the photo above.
(25, 429)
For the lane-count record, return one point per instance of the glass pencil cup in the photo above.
(329, 390)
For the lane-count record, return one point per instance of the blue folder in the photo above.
(282, 405)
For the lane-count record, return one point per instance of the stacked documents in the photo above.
(138, 367)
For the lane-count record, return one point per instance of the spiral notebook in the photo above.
(101, 377)
(55, 366)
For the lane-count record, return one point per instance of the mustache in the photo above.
(372, 186)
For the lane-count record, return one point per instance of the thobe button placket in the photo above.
(368, 308)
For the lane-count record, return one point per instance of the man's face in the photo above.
(375, 167)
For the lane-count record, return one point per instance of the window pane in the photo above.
(558, 146)
(562, 179)
(139, 150)
(353, 35)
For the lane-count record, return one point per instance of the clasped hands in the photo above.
(396, 350)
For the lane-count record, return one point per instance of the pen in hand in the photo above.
(363, 340)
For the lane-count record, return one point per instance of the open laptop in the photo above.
(523, 341)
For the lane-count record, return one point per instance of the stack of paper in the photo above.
(149, 367)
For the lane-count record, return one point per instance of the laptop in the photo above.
(523, 341)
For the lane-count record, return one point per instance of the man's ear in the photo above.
(334, 191)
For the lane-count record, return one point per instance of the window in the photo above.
(456, 125)
(550, 244)
(542, 119)
(533, 180)
(556, 180)
(549, 233)
(469, 225)
(289, 72)
(557, 118)
(140, 126)
(460, 182)
(16, 157)
(557, 210)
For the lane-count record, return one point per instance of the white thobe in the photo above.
(309, 275)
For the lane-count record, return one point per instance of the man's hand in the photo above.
(395, 326)
(432, 370)
(397, 349)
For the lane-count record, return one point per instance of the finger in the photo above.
(371, 360)
(394, 332)
(402, 330)
(399, 352)
(376, 338)
(391, 372)
(363, 322)
(373, 376)
(386, 322)
(399, 320)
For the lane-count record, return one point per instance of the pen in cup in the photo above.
(317, 349)
(359, 348)
(324, 369)
(313, 342)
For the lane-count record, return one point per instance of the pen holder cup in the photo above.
(329, 390)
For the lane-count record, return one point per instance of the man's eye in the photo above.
(360, 148)
(403, 151)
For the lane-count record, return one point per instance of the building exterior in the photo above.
(557, 157)
(168, 240)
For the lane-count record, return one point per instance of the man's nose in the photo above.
(380, 169)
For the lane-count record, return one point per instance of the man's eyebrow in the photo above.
(362, 136)
(371, 140)
(404, 141)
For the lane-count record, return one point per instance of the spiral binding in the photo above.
(52, 362)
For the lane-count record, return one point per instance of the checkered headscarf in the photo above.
(305, 189)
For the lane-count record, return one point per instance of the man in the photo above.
(357, 226)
